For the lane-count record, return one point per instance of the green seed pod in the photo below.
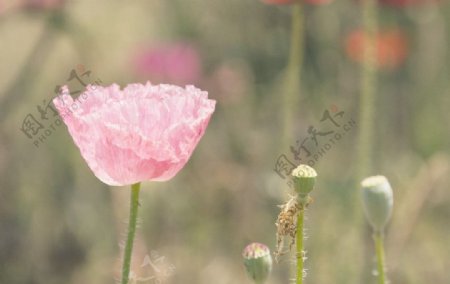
(304, 178)
(377, 200)
(258, 262)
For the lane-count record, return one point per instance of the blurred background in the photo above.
(59, 224)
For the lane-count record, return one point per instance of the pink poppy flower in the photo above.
(177, 63)
(143, 132)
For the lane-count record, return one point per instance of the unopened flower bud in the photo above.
(257, 261)
(377, 200)
(304, 178)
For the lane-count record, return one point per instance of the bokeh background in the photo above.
(59, 224)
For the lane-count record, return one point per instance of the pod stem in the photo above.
(379, 249)
(368, 88)
(299, 242)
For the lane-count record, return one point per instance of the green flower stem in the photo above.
(134, 204)
(366, 135)
(292, 80)
(379, 248)
(368, 89)
(299, 243)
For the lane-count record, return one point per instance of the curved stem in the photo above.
(368, 89)
(379, 248)
(299, 242)
(28, 72)
(134, 204)
(292, 80)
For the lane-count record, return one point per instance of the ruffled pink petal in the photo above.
(143, 132)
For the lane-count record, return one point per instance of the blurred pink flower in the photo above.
(177, 63)
(143, 132)
(236, 73)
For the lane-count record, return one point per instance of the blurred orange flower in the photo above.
(391, 46)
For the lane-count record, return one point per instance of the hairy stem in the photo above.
(134, 204)
(299, 243)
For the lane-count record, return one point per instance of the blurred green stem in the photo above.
(299, 243)
(57, 21)
(292, 80)
(379, 248)
(29, 71)
(365, 144)
(134, 204)
(368, 89)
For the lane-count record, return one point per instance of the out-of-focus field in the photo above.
(60, 224)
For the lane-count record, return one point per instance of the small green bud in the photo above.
(257, 261)
(377, 200)
(304, 178)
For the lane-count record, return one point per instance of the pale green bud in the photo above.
(258, 262)
(304, 178)
(377, 200)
